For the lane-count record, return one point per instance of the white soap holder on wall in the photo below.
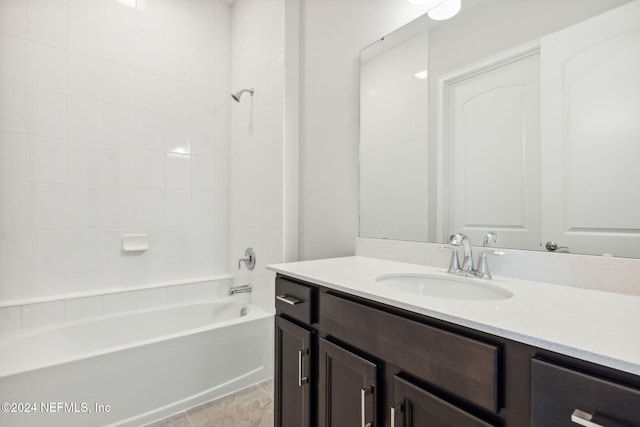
(135, 242)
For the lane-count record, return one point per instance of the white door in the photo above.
(492, 145)
(590, 82)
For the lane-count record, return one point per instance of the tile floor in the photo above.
(249, 407)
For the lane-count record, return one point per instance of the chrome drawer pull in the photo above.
(583, 418)
(288, 300)
(301, 379)
(393, 414)
(363, 405)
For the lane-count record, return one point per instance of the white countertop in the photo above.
(595, 326)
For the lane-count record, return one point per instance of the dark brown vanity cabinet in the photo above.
(345, 361)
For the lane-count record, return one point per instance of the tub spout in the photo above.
(239, 289)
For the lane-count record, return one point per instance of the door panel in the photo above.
(493, 152)
(591, 134)
(292, 373)
(348, 383)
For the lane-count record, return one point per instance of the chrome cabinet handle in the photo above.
(301, 380)
(288, 300)
(363, 406)
(393, 414)
(583, 418)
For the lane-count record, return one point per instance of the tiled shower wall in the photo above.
(257, 136)
(114, 119)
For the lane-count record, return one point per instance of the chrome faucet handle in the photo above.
(454, 264)
(483, 266)
(491, 236)
(249, 259)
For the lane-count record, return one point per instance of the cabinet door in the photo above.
(347, 388)
(292, 388)
(415, 407)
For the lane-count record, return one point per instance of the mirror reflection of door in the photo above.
(591, 134)
(492, 159)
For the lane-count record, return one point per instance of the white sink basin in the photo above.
(451, 287)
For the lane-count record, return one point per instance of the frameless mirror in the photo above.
(515, 116)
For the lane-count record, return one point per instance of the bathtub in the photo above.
(132, 368)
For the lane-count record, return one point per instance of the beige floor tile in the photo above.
(179, 420)
(267, 386)
(250, 407)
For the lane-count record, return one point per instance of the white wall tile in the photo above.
(42, 314)
(178, 28)
(46, 159)
(178, 208)
(178, 101)
(83, 207)
(119, 207)
(46, 205)
(12, 156)
(118, 44)
(95, 7)
(84, 161)
(85, 77)
(46, 114)
(119, 85)
(12, 58)
(13, 253)
(151, 169)
(203, 106)
(121, 13)
(202, 208)
(150, 209)
(178, 250)
(150, 53)
(84, 253)
(47, 23)
(202, 175)
(80, 308)
(178, 172)
(118, 166)
(13, 17)
(49, 247)
(45, 285)
(13, 206)
(86, 34)
(151, 297)
(150, 92)
(202, 138)
(151, 18)
(46, 67)
(10, 318)
(150, 131)
(116, 303)
(177, 61)
(203, 69)
(177, 135)
(178, 294)
(119, 126)
(85, 120)
(12, 108)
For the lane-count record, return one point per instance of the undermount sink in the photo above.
(451, 287)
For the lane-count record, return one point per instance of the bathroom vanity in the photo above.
(352, 352)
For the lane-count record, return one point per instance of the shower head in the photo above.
(236, 96)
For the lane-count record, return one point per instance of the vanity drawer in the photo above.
(463, 366)
(557, 393)
(294, 300)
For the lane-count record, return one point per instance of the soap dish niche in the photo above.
(135, 243)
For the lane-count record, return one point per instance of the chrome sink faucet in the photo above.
(467, 260)
(468, 269)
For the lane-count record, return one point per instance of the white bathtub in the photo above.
(144, 364)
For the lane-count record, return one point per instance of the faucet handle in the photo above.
(483, 267)
(454, 263)
(491, 236)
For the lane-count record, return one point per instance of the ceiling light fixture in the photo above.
(445, 10)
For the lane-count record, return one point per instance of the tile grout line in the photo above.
(264, 391)
(188, 418)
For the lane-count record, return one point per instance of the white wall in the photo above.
(256, 209)
(333, 33)
(113, 120)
